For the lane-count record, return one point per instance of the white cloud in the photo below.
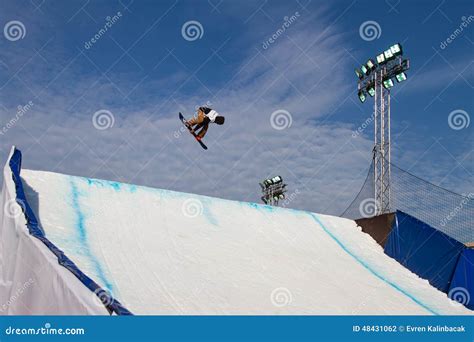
(322, 160)
(437, 78)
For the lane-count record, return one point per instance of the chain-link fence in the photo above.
(442, 209)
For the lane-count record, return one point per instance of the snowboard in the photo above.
(183, 120)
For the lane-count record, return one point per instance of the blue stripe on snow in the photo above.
(114, 185)
(368, 268)
(103, 183)
(261, 207)
(82, 233)
(206, 210)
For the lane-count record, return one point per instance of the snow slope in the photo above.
(164, 252)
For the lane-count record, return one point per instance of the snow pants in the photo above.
(200, 122)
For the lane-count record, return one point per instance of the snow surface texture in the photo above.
(31, 280)
(164, 252)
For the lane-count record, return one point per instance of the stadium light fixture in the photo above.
(387, 83)
(279, 197)
(381, 59)
(273, 190)
(370, 64)
(401, 77)
(387, 67)
(388, 54)
(371, 91)
(396, 49)
(276, 180)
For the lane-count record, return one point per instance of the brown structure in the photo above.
(378, 227)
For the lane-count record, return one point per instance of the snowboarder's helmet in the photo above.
(219, 120)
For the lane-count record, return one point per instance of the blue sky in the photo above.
(143, 71)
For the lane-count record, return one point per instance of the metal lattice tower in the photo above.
(381, 152)
(376, 80)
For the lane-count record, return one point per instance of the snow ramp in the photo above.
(74, 245)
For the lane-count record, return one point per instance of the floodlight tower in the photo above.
(273, 190)
(375, 78)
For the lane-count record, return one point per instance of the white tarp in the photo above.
(31, 280)
(164, 252)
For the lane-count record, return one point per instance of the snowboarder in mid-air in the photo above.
(205, 115)
(199, 124)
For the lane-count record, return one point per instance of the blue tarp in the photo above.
(424, 250)
(462, 284)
